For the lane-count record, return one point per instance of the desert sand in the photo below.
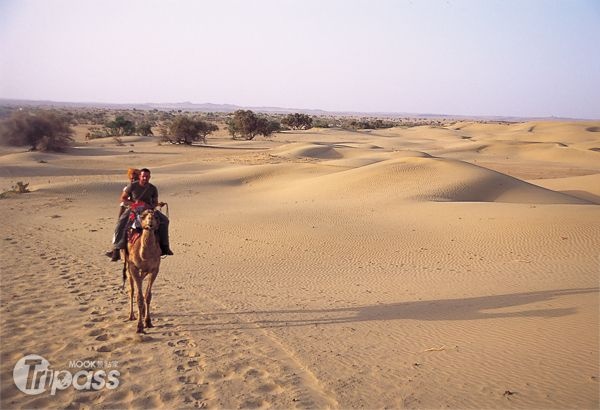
(414, 267)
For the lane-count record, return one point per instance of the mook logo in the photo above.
(32, 375)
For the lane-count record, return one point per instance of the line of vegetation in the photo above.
(51, 129)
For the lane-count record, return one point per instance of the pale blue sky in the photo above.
(484, 57)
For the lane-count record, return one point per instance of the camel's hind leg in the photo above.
(148, 298)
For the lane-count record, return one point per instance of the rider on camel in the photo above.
(141, 191)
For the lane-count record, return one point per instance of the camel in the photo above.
(141, 259)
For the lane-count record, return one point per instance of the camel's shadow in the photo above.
(475, 308)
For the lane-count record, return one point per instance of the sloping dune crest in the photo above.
(325, 170)
(400, 178)
(585, 187)
(306, 150)
(429, 179)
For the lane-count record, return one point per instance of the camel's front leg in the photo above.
(131, 292)
(140, 302)
(148, 298)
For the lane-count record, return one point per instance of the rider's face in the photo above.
(144, 178)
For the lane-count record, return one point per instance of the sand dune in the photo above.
(420, 267)
(585, 187)
(424, 178)
(316, 151)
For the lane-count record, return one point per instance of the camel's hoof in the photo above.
(131, 317)
(141, 331)
(149, 324)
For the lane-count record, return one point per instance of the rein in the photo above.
(166, 205)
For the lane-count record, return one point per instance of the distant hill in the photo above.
(226, 108)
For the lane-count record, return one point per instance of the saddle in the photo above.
(134, 226)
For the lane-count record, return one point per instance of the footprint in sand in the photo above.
(96, 332)
(254, 403)
(270, 388)
(105, 349)
(196, 395)
(253, 373)
(135, 369)
(186, 343)
(187, 353)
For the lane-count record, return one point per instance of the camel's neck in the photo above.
(148, 243)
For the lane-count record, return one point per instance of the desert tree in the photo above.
(246, 125)
(267, 127)
(121, 126)
(297, 121)
(205, 128)
(321, 122)
(144, 128)
(243, 125)
(40, 130)
(185, 130)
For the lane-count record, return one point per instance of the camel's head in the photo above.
(149, 220)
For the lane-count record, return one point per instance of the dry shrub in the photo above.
(40, 130)
(18, 188)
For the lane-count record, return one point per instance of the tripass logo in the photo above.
(32, 375)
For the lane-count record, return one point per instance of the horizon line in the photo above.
(275, 109)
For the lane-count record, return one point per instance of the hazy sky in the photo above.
(480, 57)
